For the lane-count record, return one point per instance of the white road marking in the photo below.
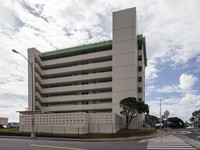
(172, 148)
(169, 142)
(184, 132)
(166, 145)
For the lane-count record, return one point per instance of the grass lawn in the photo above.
(13, 130)
(121, 133)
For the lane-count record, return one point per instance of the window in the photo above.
(140, 68)
(139, 79)
(139, 90)
(84, 83)
(139, 47)
(85, 103)
(84, 73)
(84, 93)
(139, 99)
(140, 58)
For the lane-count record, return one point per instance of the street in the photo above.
(173, 141)
(190, 133)
(23, 144)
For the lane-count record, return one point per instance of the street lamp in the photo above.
(160, 120)
(31, 64)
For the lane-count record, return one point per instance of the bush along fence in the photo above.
(78, 132)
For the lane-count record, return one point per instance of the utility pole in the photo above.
(160, 120)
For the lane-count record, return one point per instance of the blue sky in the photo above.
(171, 28)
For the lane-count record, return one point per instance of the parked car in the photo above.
(13, 125)
(158, 125)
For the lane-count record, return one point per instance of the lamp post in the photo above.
(31, 64)
(160, 120)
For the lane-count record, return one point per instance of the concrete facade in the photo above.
(79, 123)
(3, 121)
(90, 79)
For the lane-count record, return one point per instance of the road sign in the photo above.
(166, 114)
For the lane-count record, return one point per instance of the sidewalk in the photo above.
(159, 133)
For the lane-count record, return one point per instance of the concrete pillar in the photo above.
(124, 59)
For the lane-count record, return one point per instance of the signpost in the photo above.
(166, 114)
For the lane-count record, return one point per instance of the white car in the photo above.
(189, 127)
(158, 125)
(13, 125)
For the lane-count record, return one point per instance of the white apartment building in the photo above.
(81, 87)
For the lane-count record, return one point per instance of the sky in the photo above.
(171, 28)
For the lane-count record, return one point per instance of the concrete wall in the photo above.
(78, 123)
(32, 53)
(124, 56)
(3, 121)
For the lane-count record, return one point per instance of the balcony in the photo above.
(69, 79)
(78, 107)
(72, 59)
(78, 68)
(73, 88)
(106, 95)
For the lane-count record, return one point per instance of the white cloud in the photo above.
(187, 81)
(172, 30)
(9, 106)
(168, 89)
(151, 71)
(198, 59)
(185, 86)
(190, 99)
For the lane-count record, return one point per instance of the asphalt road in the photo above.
(189, 132)
(173, 141)
(23, 144)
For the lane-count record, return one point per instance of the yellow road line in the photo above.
(47, 146)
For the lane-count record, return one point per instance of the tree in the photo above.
(175, 122)
(151, 120)
(186, 124)
(195, 117)
(131, 108)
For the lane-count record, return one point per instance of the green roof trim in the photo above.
(141, 40)
(95, 47)
(89, 48)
